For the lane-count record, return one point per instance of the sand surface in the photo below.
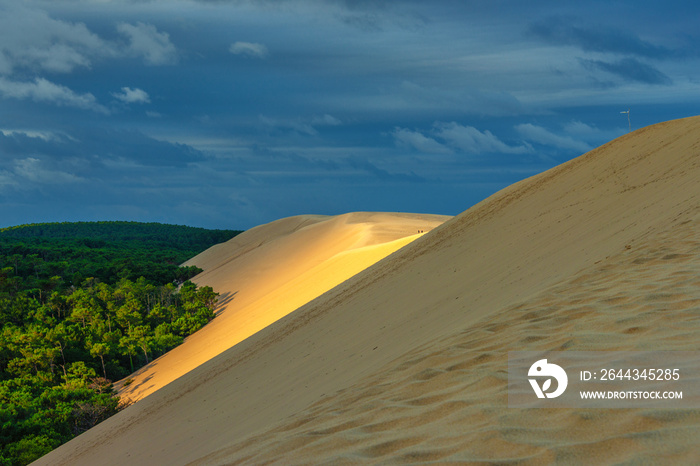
(406, 361)
(269, 271)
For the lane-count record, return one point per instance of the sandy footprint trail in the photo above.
(406, 361)
(269, 271)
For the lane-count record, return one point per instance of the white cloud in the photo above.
(471, 140)
(42, 90)
(578, 128)
(249, 49)
(593, 135)
(145, 40)
(132, 96)
(31, 169)
(325, 120)
(7, 180)
(414, 139)
(545, 137)
(59, 58)
(30, 38)
(35, 134)
(453, 137)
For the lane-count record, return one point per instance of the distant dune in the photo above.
(269, 271)
(406, 361)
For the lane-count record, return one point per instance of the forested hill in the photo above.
(81, 305)
(178, 236)
(105, 250)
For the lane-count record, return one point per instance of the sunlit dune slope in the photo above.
(406, 361)
(267, 272)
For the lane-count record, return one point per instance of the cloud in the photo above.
(60, 58)
(42, 90)
(545, 137)
(30, 38)
(15, 142)
(593, 135)
(470, 140)
(581, 129)
(5, 64)
(132, 147)
(453, 137)
(560, 31)
(92, 147)
(145, 40)
(33, 170)
(380, 173)
(43, 135)
(97, 173)
(300, 125)
(7, 180)
(418, 141)
(630, 69)
(326, 120)
(132, 96)
(377, 16)
(467, 99)
(296, 125)
(249, 49)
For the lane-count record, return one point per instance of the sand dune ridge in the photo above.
(406, 361)
(269, 271)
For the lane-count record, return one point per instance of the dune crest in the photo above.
(406, 361)
(269, 271)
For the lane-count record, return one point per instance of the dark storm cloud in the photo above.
(630, 69)
(95, 173)
(382, 174)
(561, 31)
(95, 149)
(135, 147)
(231, 113)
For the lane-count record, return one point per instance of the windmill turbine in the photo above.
(628, 118)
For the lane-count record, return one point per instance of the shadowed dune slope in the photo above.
(269, 271)
(407, 360)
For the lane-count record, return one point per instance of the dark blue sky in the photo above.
(228, 114)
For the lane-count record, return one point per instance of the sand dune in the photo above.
(406, 361)
(269, 271)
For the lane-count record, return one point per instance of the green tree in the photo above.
(128, 346)
(141, 335)
(58, 337)
(55, 324)
(100, 350)
(79, 374)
